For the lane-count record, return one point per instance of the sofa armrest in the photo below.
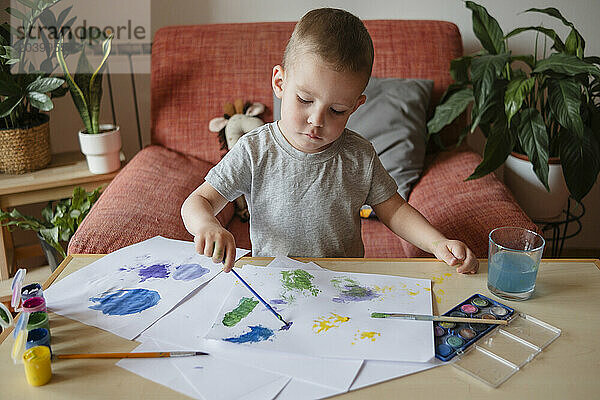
(142, 201)
(464, 210)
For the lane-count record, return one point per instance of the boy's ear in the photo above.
(277, 80)
(361, 100)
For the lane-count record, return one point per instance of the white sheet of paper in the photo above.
(210, 378)
(190, 321)
(126, 291)
(372, 372)
(159, 370)
(331, 314)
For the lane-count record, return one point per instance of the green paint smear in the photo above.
(341, 283)
(300, 280)
(378, 315)
(245, 307)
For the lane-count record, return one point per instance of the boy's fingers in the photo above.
(217, 255)
(199, 244)
(208, 248)
(447, 256)
(229, 257)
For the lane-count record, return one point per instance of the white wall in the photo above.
(585, 14)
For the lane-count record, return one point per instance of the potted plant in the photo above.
(101, 143)
(60, 221)
(24, 128)
(538, 108)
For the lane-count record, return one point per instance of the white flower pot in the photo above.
(532, 196)
(102, 150)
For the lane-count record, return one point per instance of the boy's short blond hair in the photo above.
(337, 37)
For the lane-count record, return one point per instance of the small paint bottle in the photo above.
(31, 290)
(38, 319)
(34, 304)
(38, 337)
(37, 365)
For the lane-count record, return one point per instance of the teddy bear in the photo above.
(238, 118)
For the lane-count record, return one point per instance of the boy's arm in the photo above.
(198, 213)
(408, 223)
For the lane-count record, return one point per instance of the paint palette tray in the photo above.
(499, 351)
(452, 338)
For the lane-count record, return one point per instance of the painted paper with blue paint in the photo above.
(257, 334)
(189, 272)
(125, 301)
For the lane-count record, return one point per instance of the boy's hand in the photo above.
(218, 243)
(456, 253)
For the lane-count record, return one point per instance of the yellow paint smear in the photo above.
(412, 292)
(323, 324)
(369, 335)
(384, 289)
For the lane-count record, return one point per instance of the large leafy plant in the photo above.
(24, 89)
(86, 84)
(60, 219)
(542, 108)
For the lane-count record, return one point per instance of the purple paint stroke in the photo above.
(278, 301)
(355, 293)
(160, 271)
(188, 272)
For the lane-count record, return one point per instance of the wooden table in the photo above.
(566, 297)
(57, 181)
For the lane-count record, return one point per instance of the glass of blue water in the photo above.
(513, 259)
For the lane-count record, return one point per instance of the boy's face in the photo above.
(316, 102)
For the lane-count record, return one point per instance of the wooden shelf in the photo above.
(57, 181)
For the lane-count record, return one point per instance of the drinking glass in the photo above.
(513, 261)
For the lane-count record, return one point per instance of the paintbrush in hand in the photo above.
(279, 317)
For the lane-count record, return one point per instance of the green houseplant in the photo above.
(101, 143)
(60, 219)
(24, 90)
(546, 107)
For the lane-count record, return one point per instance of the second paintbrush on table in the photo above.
(441, 318)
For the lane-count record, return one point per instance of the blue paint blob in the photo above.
(278, 301)
(160, 271)
(125, 301)
(257, 334)
(188, 272)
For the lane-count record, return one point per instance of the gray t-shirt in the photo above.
(303, 205)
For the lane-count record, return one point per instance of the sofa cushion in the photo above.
(464, 210)
(144, 200)
(196, 69)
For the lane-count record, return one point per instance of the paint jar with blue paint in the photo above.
(38, 337)
(31, 290)
(38, 319)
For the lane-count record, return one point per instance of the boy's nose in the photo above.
(316, 118)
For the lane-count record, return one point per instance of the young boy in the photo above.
(305, 177)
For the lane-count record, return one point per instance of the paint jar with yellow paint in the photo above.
(37, 365)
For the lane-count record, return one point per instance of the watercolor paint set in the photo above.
(491, 353)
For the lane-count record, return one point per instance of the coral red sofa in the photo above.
(196, 69)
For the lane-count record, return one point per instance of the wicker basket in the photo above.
(25, 150)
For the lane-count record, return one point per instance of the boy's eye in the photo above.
(336, 112)
(301, 100)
